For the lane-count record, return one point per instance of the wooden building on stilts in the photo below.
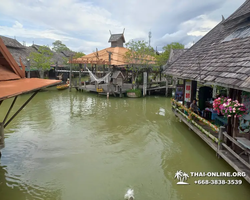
(215, 71)
(109, 60)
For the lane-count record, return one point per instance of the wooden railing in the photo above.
(223, 134)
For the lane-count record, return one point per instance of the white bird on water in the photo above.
(129, 195)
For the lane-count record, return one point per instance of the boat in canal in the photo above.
(62, 87)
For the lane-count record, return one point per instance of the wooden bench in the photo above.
(245, 143)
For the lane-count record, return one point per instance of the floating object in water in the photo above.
(62, 87)
(129, 195)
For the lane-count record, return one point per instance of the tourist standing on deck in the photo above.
(194, 107)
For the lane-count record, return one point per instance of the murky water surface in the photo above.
(72, 146)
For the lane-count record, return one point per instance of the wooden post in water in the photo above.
(70, 75)
(145, 78)
(1, 136)
(80, 74)
(220, 140)
(166, 94)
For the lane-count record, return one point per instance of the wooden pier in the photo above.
(103, 89)
(218, 142)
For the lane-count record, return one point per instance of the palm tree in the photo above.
(185, 176)
(178, 175)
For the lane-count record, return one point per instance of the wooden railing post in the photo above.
(220, 140)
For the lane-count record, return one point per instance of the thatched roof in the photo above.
(175, 54)
(18, 51)
(216, 60)
(68, 53)
(243, 11)
(116, 37)
(12, 43)
(116, 74)
(12, 77)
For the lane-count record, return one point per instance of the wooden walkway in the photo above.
(112, 89)
(225, 154)
(159, 88)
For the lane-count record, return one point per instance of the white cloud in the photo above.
(200, 26)
(17, 25)
(84, 25)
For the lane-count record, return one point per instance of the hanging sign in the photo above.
(188, 91)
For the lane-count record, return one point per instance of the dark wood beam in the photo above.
(3, 61)
(10, 108)
(32, 96)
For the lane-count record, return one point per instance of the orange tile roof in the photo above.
(117, 57)
(13, 88)
(12, 77)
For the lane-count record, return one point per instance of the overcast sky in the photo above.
(84, 25)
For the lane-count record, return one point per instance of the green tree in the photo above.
(78, 55)
(164, 56)
(41, 60)
(139, 57)
(75, 56)
(58, 46)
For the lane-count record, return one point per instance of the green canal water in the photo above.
(77, 146)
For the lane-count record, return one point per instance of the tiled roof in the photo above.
(117, 56)
(213, 60)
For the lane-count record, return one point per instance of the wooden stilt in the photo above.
(80, 74)
(1, 135)
(166, 93)
(11, 106)
(32, 96)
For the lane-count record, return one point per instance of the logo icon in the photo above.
(181, 177)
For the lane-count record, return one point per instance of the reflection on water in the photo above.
(79, 146)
